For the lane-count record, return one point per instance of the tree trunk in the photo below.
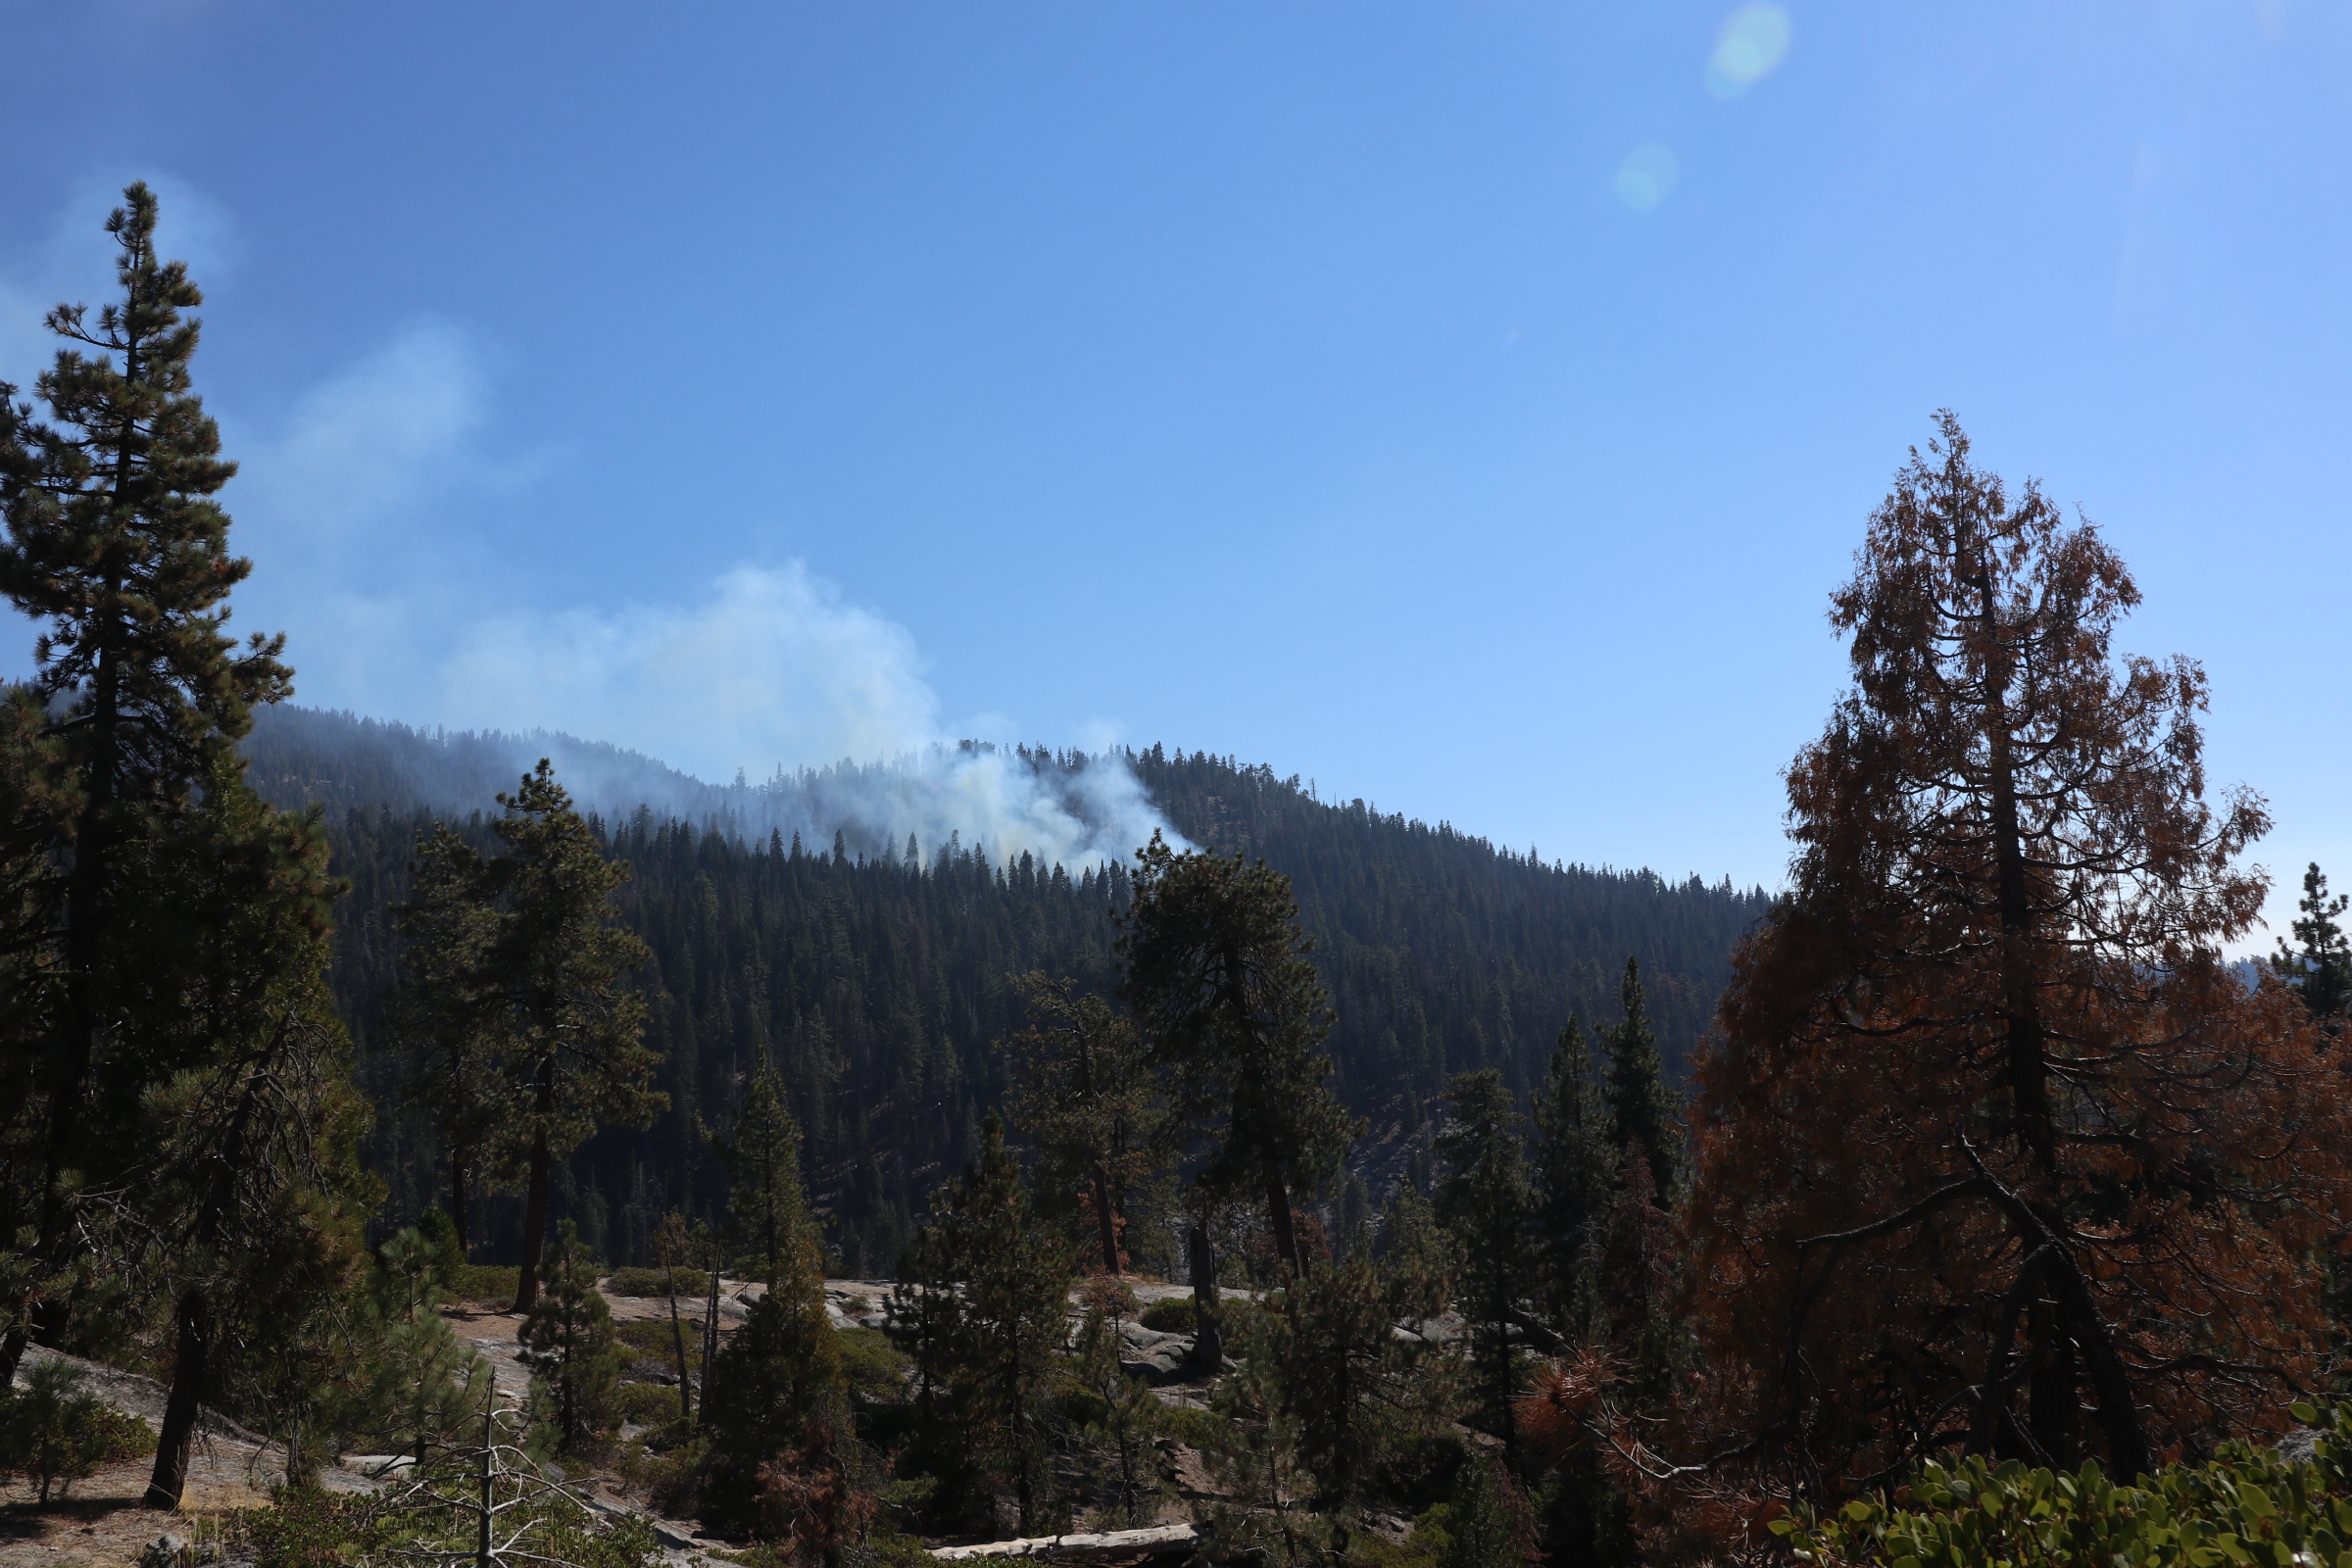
(534, 1228)
(169, 1481)
(1286, 1233)
(1106, 1223)
(710, 1334)
(2053, 1408)
(11, 1354)
(457, 1203)
(534, 1213)
(1208, 1344)
(677, 1334)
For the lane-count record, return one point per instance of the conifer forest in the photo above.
(501, 1148)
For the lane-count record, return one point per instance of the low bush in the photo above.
(53, 1431)
(1196, 1429)
(2249, 1506)
(653, 1336)
(640, 1282)
(306, 1528)
(648, 1404)
(482, 1282)
(874, 1368)
(1174, 1315)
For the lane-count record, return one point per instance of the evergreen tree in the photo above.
(572, 1032)
(1083, 1089)
(424, 1384)
(138, 697)
(1484, 1199)
(443, 1016)
(1576, 1165)
(775, 1387)
(247, 1199)
(768, 1208)
(1482, 1528)
(2319, 965)
(570, 1347)
(989, 1356)
(1643, 1110)
(1413, 1242)
(927, 1322)
(1350, 1386)
(1125, 1417)
(1218, 976)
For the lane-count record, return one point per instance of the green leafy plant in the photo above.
(652, 1282)
(54, 1433)
(1171, 1315)
(2249, 1506)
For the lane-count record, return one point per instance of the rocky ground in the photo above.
(103, 1523)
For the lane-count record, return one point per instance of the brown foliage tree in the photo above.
(1993, 1150)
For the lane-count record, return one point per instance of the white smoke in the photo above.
(774, 668)
(775, 677)
(363, 508)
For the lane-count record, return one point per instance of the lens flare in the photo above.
(1645, 177)
(1751, 41)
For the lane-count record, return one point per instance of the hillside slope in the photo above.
(880, 984)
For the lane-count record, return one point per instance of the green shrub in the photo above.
(480, 1282)
(874, 1368)
(2249, 1508)
(648, 1404)
(54, 1433)
(653, 1336)
(692, 1283)
(306, 1528)
(1196, 1429)
(1173, 1315)
(898, 1551)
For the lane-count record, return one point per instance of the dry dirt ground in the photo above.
(102, 1523)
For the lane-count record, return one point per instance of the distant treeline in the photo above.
(881, 986)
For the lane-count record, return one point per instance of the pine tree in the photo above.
(1083, 1090)
(424, 1384)
(768, 1208)
(1126, 1417)
(1218, 978)
(1483, 1200)
(114, 542)
(671, 1245)
(570, 1347)
(1643, 1112)
(775, 1387)
(1576, 1165)
(1350, 1383)
(572, 1032)
(987, 1360)
(1974, 1064)
(444, 1017)
(247, 1194)
(2319, 965)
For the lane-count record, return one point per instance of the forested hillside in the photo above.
(881, 986)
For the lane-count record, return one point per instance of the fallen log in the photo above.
(1171, 1543)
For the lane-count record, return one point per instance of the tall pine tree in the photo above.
(1218, 977)
(115, 544)
(1644, 1116)
(1576, 1167)
(1484, 1199)
(2319, 963)
(572, 1031)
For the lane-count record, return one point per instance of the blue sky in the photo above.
(1467, 406)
